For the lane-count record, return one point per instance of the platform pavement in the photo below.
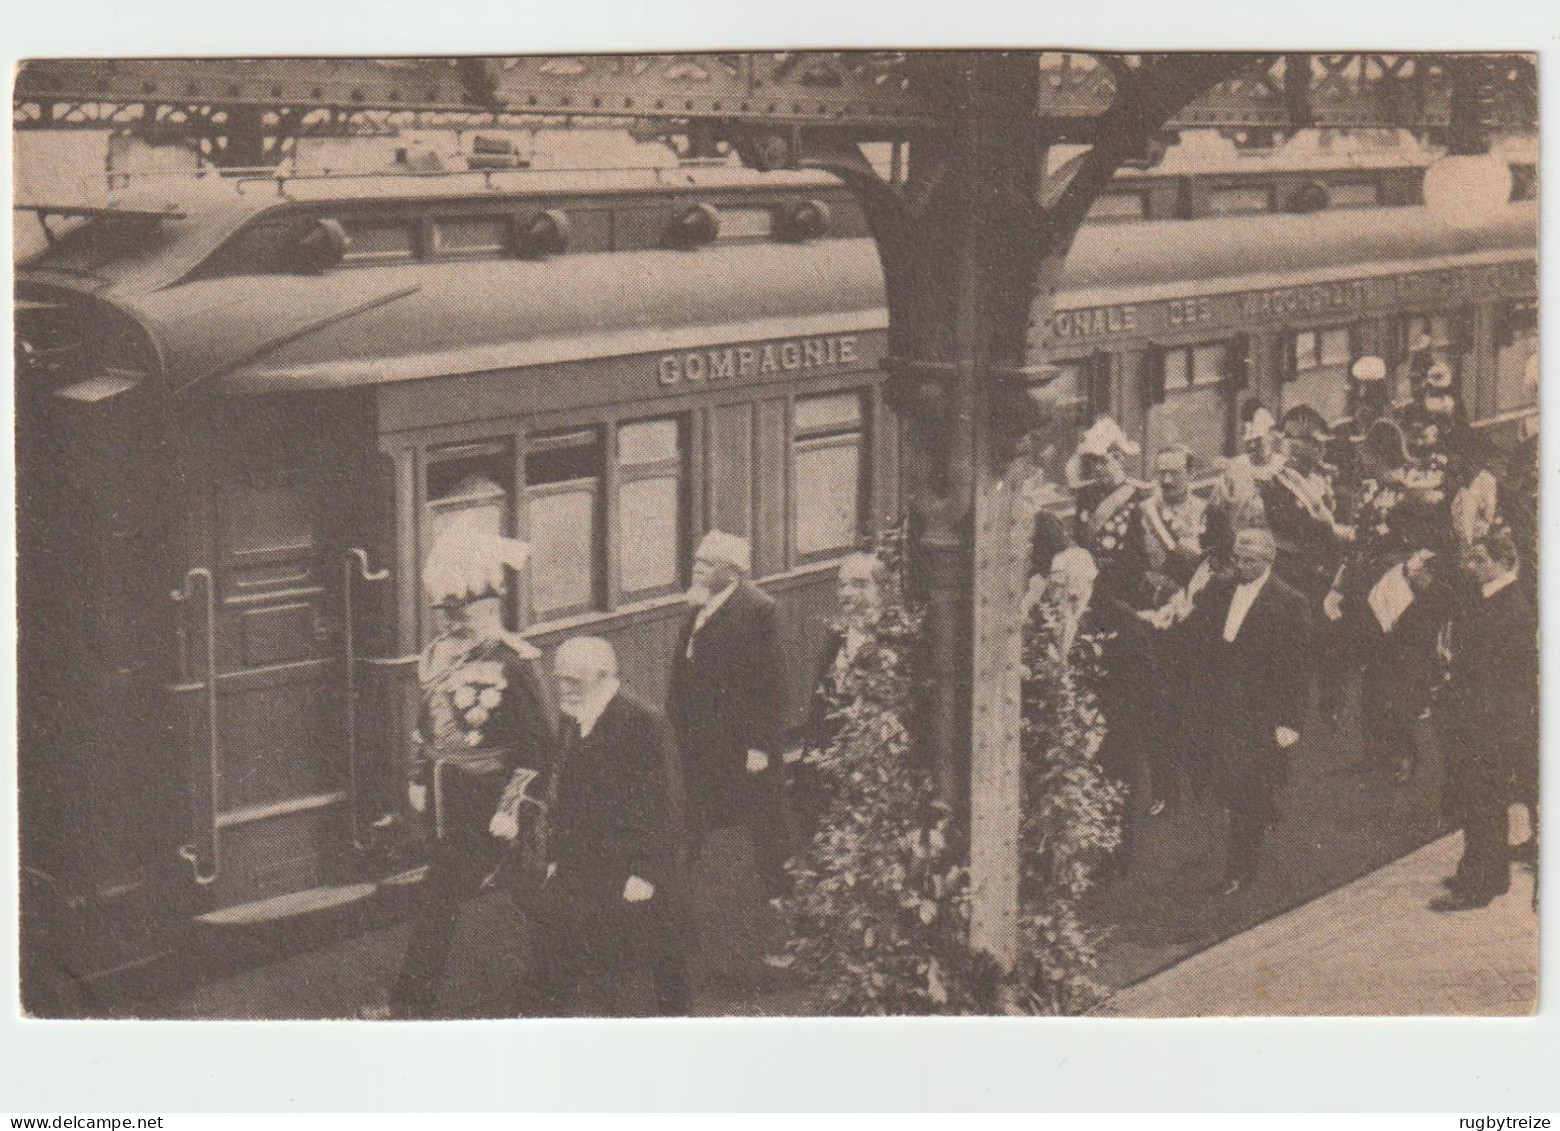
(1369, 948)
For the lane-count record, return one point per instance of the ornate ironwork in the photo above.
(864, 93)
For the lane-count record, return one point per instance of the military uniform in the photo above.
(485, 743)
(1109, 524)
(484, 736)
(1302, 513)
(1173, 535)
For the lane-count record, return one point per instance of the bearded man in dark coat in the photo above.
(613, 899)
(726, 703)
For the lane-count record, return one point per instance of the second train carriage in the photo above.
(268, 406)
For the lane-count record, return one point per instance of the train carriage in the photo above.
(267, 405)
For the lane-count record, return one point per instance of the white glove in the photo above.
(757, 761)
(1159, 618)
(637, 890)
(1285, 737)
(504, 825)
(417, 797)
(1332, 605)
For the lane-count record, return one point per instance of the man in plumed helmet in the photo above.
(1108, 517)
(1110, 526)
(485, 743)
(1237, 502)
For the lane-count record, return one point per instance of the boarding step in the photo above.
(290, 906)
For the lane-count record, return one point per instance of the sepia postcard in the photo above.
(1028, 533)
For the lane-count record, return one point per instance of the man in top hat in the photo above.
(613, 899)
(726, 701)
(485, 744)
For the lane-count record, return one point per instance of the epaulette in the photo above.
(520, 645)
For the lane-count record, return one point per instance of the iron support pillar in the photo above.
(963, 253)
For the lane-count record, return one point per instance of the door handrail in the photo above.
(354, 565)
(204, 826)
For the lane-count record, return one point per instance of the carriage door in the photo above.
(272, 776)
(1196, 408)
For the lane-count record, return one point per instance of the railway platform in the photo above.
(1369, 948)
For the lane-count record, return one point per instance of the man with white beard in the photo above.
(726, 703)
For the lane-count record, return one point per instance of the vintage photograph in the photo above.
(777, 534)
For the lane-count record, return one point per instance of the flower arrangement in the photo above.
(881, 912)
(1071, 810)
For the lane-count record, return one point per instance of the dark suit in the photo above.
(1248, 689)
(725, 699)
(617, 814)
(1490, 720)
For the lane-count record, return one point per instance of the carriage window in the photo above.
(465, 479)
(1321, 349)
(650, 506)
(471, 235)
(1242, 201)
(375, 241)
(827, 470)
(563, 493)
(1442, 337)
(1516, 341)
(1119, 206)
(1317, 373)
(1193, 366)
(1354, 194)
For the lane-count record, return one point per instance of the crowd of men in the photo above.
(1397, 552)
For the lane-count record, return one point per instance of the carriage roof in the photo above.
(373, 324)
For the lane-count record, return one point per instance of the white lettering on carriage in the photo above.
(1094, 321)
(1304, 300)
(726, 363)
